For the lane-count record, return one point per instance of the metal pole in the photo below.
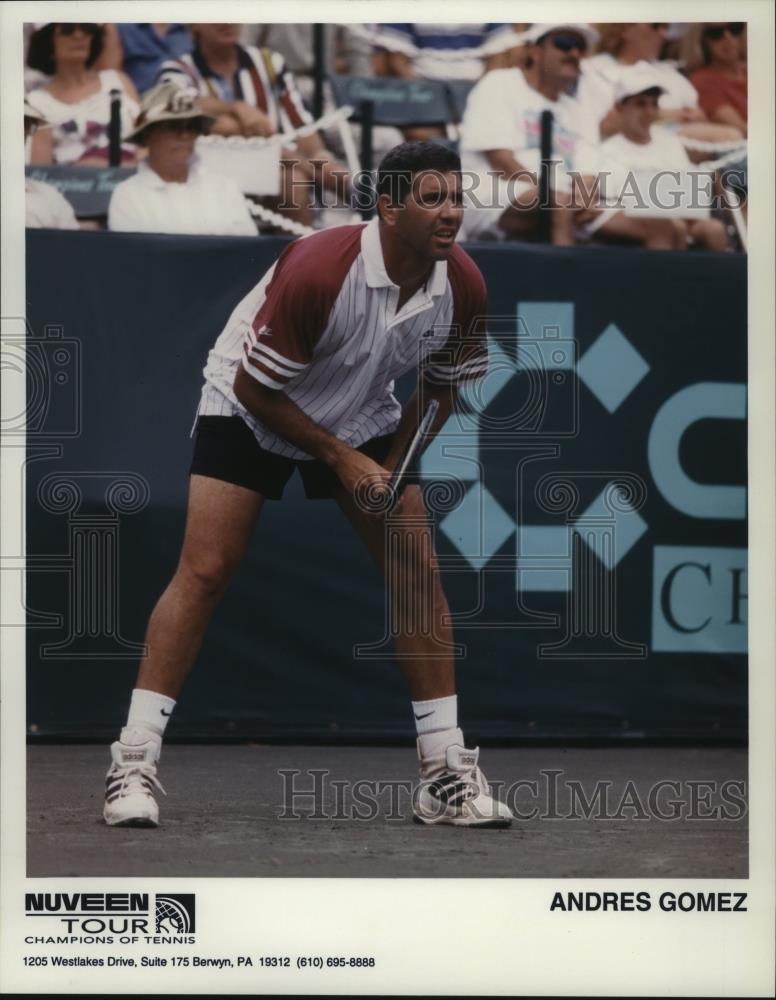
(545, 193)
(114, 129)
(319, 68)
(366, 114)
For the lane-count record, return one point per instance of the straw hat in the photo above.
(168, 102)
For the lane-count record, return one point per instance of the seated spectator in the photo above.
(250, 92)
(44, 206)
(715, 58)
(171, 192)
(442, 51)
(639, 149)
(501, 136)
(624, 45)
(76, 100)
(140, 49)
(346, 51)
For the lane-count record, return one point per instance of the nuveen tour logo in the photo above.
(175, 914)
(112, 917)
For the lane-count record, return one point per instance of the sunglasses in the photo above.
(566, 43)
(70, 29)
(717, 31)
(659, 27)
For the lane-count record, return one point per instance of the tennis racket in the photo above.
(402, 474)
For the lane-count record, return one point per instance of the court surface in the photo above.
(589, 813)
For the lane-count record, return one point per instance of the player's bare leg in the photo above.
(418, 607)
(453, 789)
(219, 522)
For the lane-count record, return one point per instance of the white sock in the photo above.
(149, 712)
(435, 715)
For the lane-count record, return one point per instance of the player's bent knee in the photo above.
(208, 574)
(412, 503)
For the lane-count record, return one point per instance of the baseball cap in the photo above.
(537, 31)
(167, 102)
(636, 79)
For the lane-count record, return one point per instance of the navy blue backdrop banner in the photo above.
(588, 502)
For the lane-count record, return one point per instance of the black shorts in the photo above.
(225, 448)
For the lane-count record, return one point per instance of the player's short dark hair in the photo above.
(40, 54)
(400, 164)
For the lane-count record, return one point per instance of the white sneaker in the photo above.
(453, 789)
(131, 779)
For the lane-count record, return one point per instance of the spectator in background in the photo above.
(501, 136)
(76, 100)
(624, 45)
(44, 206)
(346, 49)
(442, 51)
(715, 57)
(250, 92)
(640, 151)
(501, 150)
(140, 49)
(171, 192)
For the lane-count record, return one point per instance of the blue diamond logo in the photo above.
(545, 320)
(612, 368)
(453, 452)
(478, 395)
(478, 527)
(543, 557)
(610, 530)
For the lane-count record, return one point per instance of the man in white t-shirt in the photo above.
(501, 152)
(501, 138)
(171, 191)
(640, 151)
(44, 206)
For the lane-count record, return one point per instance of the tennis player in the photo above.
(302, 378)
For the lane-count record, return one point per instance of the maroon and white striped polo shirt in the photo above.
(322, 326)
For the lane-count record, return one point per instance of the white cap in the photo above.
(538, 31)
(636, 79)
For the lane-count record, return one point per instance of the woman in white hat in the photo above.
(76, 100)
(171, 191)
(44, 206)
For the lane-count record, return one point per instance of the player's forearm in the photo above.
(281, 415)
(411, 417)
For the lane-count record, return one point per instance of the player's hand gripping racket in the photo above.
(401, 475)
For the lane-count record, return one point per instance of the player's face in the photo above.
(432, 214)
